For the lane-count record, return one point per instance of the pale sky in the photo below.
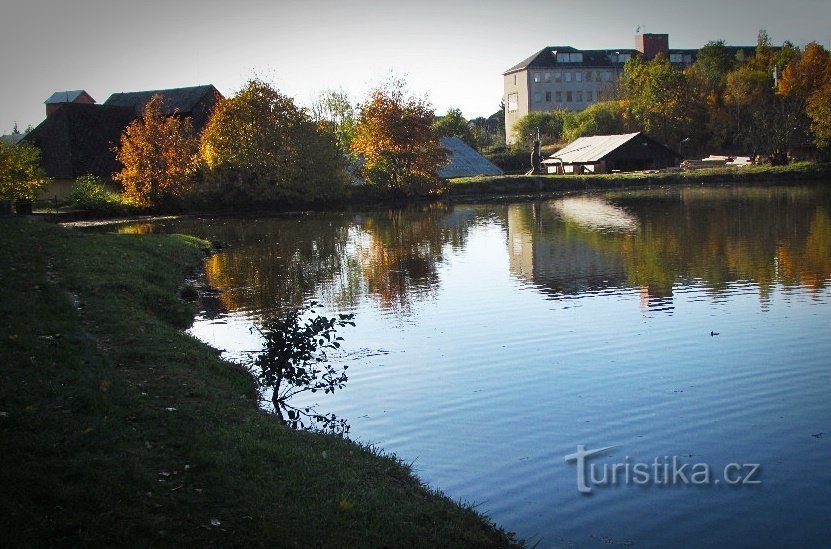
(452, 51)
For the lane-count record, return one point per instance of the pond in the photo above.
(686, 330)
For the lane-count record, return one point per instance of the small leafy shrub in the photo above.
(90, 193)
(294, 360)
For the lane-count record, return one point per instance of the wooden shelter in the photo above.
(611, 153)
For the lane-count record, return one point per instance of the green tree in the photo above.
(707, 79)
(712, 64)
(20, 173)
(454, 124)
(334, 111)
(603, 118)
(158, 155)
(397, 140)
(258, 145)
(549, 123)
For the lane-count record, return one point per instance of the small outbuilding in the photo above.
(611, 153)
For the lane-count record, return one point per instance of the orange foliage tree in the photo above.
(397, 140)
(158, 154)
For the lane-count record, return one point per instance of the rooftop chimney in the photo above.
(651, 45)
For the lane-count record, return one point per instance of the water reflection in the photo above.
(272, 264)
(647, 240)
(655, 240)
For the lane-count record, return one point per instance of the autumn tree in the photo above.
(396, 138)
(259, 145)
(819, 109)
(808, 81)
(20, 173)
(158, 155)
(658, 99)
(763, 118)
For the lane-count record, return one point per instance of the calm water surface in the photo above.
(493, 339)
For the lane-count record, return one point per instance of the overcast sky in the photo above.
(452, 51)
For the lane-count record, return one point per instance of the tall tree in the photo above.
(260, 145)
(158, 154)
(658, 99)
(396, 138)
(764, 118)
(707, 79)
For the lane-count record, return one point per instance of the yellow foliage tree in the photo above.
(159, 155)
(20, 174)
(260, 144)
(396, 137)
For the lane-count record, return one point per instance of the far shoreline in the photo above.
(479, 188)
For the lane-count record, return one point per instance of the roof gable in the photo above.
(592, 149)
(69, 96)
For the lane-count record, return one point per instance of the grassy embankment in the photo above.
(118, 429)
(525, 184)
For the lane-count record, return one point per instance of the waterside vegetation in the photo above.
(117, 426)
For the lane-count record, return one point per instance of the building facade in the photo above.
(78, 136)
(562, 77)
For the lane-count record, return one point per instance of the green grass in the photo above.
(118, 429)
(524, 184)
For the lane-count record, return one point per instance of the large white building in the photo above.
(562, 77)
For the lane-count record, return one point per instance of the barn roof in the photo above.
(591, 149)
(182, 99)
(464, 160)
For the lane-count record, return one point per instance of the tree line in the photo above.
(259, 148)
(763, 105)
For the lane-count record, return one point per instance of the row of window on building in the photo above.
(567, 76)
(617, 57)
(565, 96)
(579, 96)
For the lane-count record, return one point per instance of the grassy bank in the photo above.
(118, 429)
(524, 184)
